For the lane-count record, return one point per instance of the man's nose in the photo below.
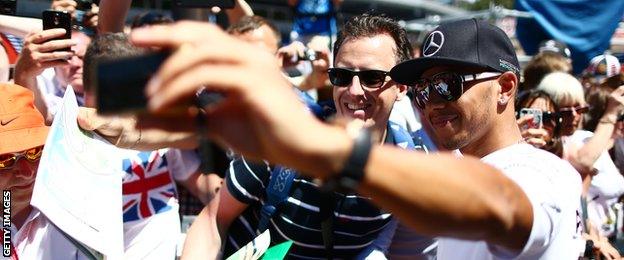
(75, 61)
(356, 87)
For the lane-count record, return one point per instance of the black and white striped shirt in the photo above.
(357, 221)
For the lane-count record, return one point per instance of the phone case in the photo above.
(58, 19)
(537, 117)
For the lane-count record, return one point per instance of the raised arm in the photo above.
(438, 195)
(589, 153)
(113, 15)
(19, 26)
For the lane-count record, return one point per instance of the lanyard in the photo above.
(13, 252)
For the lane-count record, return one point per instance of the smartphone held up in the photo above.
(58, 19)
(537, 115)
(120, 83)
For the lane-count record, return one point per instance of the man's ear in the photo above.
(402, 91)
(508, 83)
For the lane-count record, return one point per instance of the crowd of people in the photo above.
(345, 141)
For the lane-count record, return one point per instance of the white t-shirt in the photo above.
(606, 186)
(554, 189)
(150, 203)
(38, 239)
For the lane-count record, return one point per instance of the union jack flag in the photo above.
(147, 186)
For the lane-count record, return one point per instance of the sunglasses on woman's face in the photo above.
(551, 119)
(449, 85)
(370, 79)
(9, 160)
(568, 112)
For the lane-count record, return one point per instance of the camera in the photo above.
(120, 83)
(308, 54)
(82, 8)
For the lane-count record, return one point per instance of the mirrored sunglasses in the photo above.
(9, 160)
(449, 85)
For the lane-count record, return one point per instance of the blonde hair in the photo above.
(563, 88)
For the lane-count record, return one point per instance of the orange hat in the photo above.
(21, 125)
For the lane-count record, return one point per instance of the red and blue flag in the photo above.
(147, 186)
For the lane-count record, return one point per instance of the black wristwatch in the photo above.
(352, 174)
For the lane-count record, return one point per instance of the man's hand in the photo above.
(289, 54)
(91, 17)
(40, 53)
(533, 136)
(110, 129)
(260, 116)
(64, 5)
(602, 247)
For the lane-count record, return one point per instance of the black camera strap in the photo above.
(203, 100)
(326, 210)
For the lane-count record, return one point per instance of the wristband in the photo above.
(352, 174)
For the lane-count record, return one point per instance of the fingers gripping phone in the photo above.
(58, 19)
(537, 117)
(120, 83)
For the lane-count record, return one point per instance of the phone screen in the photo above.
(120, 83)
(58, 19)
(537, 117)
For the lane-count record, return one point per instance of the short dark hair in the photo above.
(104, 47)
(150, 18)
(250, 23)
(369, 25)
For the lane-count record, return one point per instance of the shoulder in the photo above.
(528, 165)
(246, 180)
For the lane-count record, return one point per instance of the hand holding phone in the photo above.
(58, 19)
(537, 117)
(120, 83)
(44, 49)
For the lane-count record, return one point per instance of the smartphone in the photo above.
(225, 4)
(120, 83)
(58, 19)
(537, 117)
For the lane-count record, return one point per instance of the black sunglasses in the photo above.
(371, 79)
(449, 85)
(551, 118)
(568, 112)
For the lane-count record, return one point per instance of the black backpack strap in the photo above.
(326, 210)
(277, 192)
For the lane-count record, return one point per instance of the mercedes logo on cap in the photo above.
(433, 43)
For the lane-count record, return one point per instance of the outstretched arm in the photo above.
(261, 117)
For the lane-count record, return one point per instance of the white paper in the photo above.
(78, 184)
(254, 249)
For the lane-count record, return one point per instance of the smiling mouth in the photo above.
(356, 106)
(24, 186)
(441, 121)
